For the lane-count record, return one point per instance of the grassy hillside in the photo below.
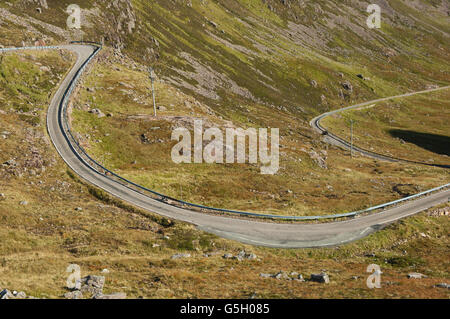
(266, 54)
(313, 178)
(241, 63)
(415, 128)
(245, 63)
(42, 234)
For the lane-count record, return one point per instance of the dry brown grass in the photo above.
(300, 187)
(39, 241)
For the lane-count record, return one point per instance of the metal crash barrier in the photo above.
(100, 169)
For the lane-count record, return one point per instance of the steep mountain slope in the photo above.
(290, 54)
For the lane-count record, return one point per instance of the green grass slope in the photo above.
(265, 53)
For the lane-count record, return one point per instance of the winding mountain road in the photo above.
(248, 231)
(337, 141)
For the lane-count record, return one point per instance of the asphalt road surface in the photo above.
(247, 231)
(336, 140)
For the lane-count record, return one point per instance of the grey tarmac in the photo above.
(254, 232)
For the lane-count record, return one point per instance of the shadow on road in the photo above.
(438, 144)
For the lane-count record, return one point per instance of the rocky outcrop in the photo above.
(416, 275)
(6, 294)
(126, 20)
(319, 159)
(320, 278)
(73, 295)
(121, 22)
(242, 255)
(179, 256)
(283, 275)
(347, 86)
(440, 212)
(97, 112)
(92, 286)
